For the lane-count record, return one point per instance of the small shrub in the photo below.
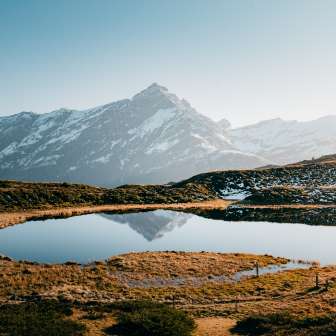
(38, 319)
(283, 324)
(143, 318)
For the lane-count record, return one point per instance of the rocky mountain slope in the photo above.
(153, 137)
(306, 182)
(284, 142)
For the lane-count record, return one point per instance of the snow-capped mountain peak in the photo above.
(153, 137)
(156, 92)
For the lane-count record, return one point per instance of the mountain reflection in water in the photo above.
(151, 224)
(99, 236)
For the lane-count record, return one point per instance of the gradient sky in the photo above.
(244, 60)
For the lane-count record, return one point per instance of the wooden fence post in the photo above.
(327, 284)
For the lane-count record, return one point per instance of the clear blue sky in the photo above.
(244, 60)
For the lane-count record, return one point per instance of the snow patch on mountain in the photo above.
(162, 146)
(160, 118)
(155, 137)
(10, 149)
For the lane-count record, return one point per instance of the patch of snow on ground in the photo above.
(239, 196)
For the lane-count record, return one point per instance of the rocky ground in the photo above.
(308, 182)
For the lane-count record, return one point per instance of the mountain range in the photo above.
(154, 137)
(283, 141)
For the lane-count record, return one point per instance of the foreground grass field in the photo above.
(201, 284)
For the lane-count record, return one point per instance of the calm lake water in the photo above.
(98, 236)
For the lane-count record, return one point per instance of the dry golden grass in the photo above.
(105, 282)
(109, 281)
(214, 326)
(169, 265)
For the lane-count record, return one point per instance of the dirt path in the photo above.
(214, 326)
(207, 326)
(11, 218)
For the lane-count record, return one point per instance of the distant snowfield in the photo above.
(284, 141)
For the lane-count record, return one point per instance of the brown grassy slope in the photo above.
(22, 195)
(326, 159)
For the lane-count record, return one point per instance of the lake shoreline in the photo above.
(9, 218)
(17, 217)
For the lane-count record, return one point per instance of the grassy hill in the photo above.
(307, 182)
(16, 195)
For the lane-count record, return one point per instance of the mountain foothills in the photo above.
(304, 183)
(155, 137)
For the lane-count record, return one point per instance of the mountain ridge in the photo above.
(152, 137)
(285, 141)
